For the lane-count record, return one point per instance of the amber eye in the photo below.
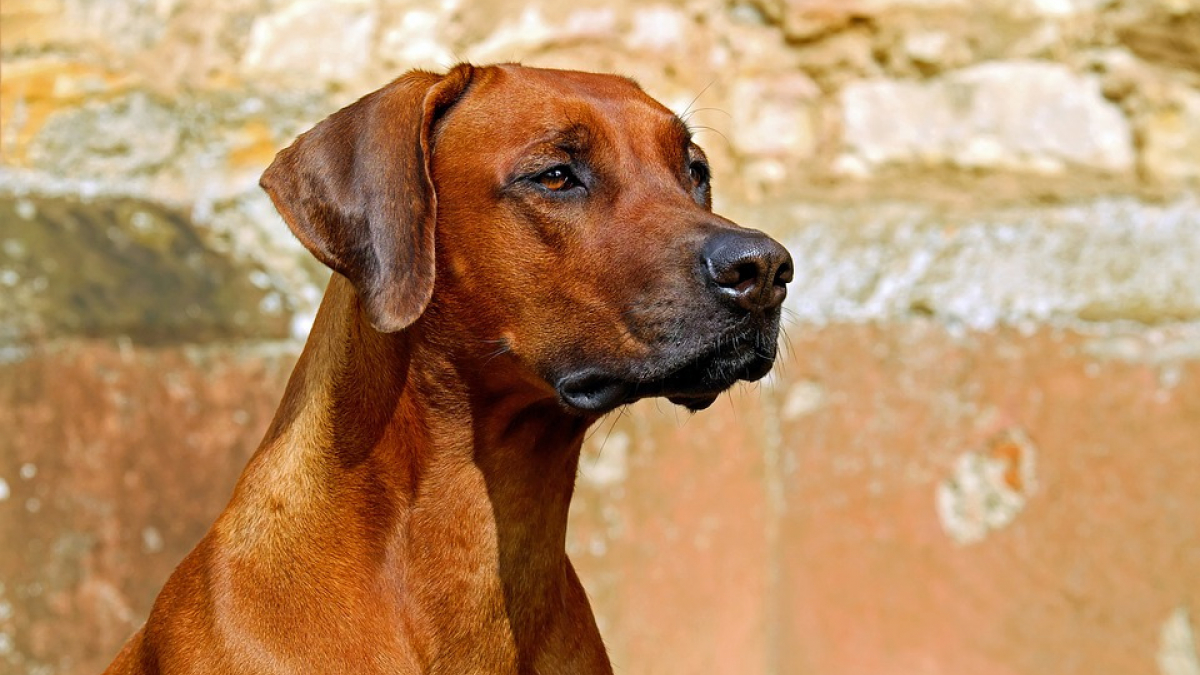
(557, 179)
(699, 173)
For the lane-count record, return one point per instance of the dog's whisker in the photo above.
(707, 109)
(718, 132)
(696, 98)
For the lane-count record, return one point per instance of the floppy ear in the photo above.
(356, 191)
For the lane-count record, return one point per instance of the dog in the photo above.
(517, 252)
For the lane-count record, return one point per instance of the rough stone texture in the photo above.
(773, 117)
(1008, 115)
(1103, 261)
(131, 135)
(127, 268)
(412, 40)
(979, 455)
(1171, 140)
(225, 84)
(341, 50)
(1170, 38)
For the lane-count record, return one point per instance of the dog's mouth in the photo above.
(693, 382)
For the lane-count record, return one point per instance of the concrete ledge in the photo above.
(1102, 261)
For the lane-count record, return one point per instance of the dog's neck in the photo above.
(445, 469)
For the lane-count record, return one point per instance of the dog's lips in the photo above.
(695, 385)
(592, 391)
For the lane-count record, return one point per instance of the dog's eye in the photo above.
(557, 179)
(699, 173)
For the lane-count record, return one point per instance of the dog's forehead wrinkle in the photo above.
(610, 95)
(578, 112)
(569, 135)
(565, 79)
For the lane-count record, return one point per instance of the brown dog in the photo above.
(518, 251)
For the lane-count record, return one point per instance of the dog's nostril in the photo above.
(784, 274)
(744, 277)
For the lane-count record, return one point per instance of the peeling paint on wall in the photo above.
(988, 489)
(1177, 645)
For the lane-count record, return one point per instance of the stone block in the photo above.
(1171, 136)
(805, 20)
(34, 90)
(413, 37)
(32, 24)
(1017, 115)
(659, 28)
(113, 267)
(773, 116)
(317, 43)
(515, 32)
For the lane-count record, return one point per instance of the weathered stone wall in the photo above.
(981, 454)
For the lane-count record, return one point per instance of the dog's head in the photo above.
(551, 228)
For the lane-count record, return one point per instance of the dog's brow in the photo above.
(682, 128)
(677, 140)
(572, 139)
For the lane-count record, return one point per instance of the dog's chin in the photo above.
(695, 385)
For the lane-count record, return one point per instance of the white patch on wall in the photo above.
(27, 211)
(1177, 653)
(413, 41)
(594, 22)
(802, 399)
(773, 116)
(1024, 115)
(328, 42)
(658, 28)
(513, 38)
(988, 488)
(610, 465)
(152, 540)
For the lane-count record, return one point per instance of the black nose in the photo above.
(747, 267)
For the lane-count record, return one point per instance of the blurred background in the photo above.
(981, 454)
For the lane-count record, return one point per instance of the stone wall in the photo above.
(981, 454)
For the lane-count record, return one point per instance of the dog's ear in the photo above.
(356, 191)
